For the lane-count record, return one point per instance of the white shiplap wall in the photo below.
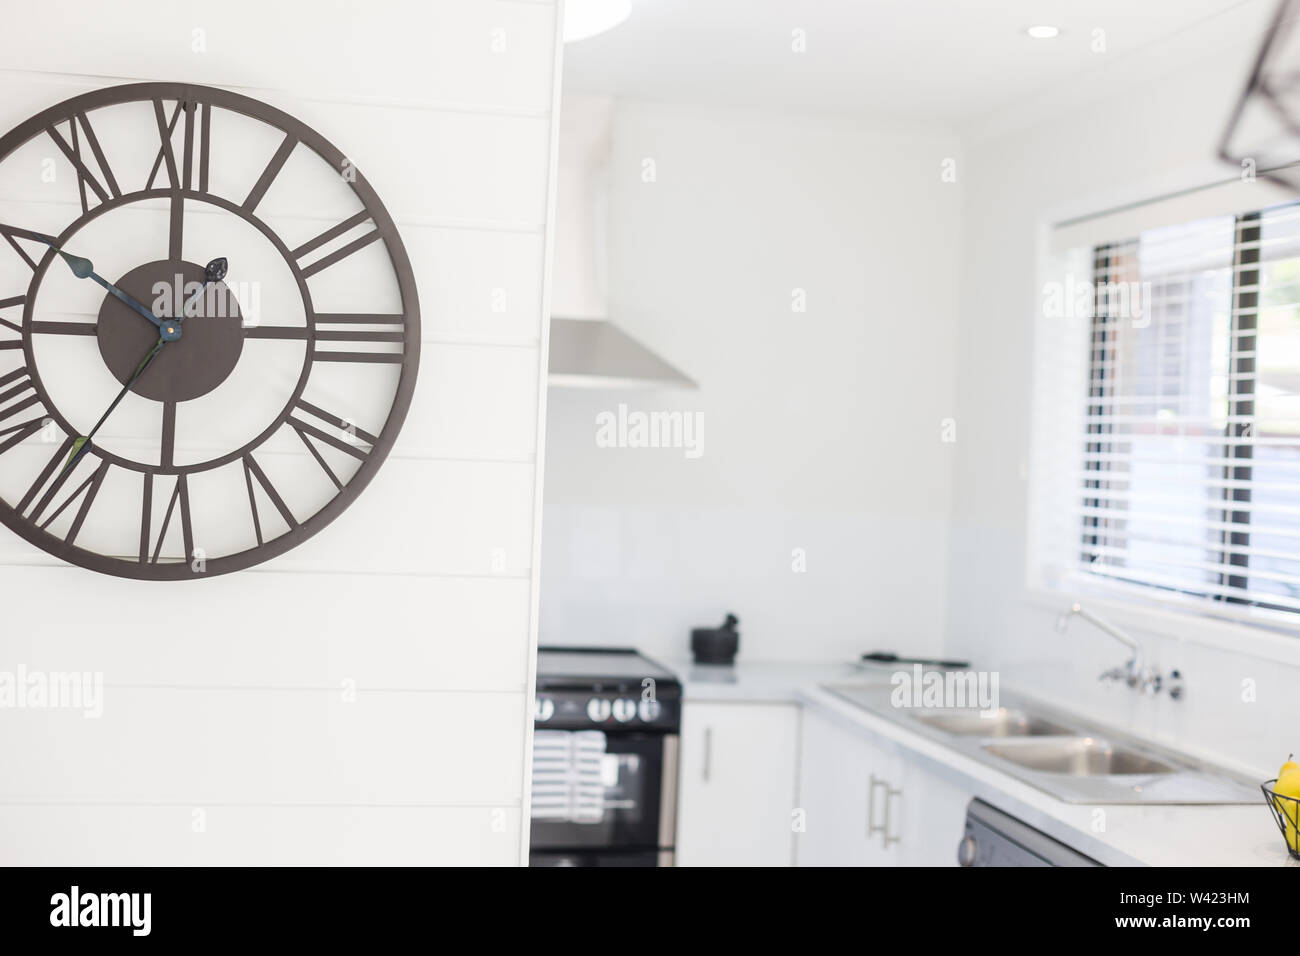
(225, 699)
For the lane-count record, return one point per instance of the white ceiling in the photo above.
(958, 63)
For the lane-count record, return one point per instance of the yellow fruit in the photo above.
(1289, 765)
(1288, 785)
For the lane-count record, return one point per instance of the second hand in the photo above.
(82, 445)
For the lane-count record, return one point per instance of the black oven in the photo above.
(605, 732)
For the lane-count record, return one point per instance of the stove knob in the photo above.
(543, 709)
(649, 710)
(624, 710)
(966, 851)
(598, 710)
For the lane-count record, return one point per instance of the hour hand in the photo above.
(213, 272)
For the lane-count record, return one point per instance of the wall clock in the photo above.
(209, 332)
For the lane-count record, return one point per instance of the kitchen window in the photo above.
(1189, 478)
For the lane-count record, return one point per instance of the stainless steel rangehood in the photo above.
(587, 349)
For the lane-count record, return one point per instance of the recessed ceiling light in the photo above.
(586, 18)
(1044, 32)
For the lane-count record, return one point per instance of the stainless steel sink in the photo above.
(1078, 757)
(1003, 722)
(1073, 759)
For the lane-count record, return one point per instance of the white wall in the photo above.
(1151, 138)
(821, 428)
(226, 696)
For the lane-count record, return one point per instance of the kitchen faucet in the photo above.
(1135, 672)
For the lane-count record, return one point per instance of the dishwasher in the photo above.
(995, 838)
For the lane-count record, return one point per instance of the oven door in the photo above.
(636, 804)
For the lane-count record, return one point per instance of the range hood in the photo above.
(587, 349)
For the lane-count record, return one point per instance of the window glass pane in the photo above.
(1191, 478)
(1163, 408)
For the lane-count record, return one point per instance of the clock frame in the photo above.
(186, 109)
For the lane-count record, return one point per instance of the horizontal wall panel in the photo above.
(196, 746)
(472, 401)
(98, 835)
(430, 517)
(416, 517)
(271, 630)
(478, 285)
(476, 53)
(424, 163)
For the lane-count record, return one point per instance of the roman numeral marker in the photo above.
(306, 431)
(13, 386)
(205, 129)
(13, 233)
(187, 163)
(85, 178)
(58, 459)
(12, 389)
(166, 155)
(16, 302)
(268, 175)
(329, 235)
(90, 488)
(181, 496)
(323, 334)
(252, 470)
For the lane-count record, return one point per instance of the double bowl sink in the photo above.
(1060, 754)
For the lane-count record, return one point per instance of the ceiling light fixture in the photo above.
(587, 18)
(1044, 32)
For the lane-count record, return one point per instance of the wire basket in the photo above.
(1265, 126)
(1286, 814)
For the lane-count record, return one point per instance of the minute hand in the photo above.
(85, 269)
(125, 299)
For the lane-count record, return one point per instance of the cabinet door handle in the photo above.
(886, 839)
(708, 753)
(890, 793)
(872, 783)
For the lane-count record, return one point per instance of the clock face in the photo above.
(209, 331)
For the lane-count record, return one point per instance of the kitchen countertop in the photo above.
(772, 682)
(1153, 835)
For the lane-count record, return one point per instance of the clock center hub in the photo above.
(190, 366)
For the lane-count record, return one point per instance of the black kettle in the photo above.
(716, 645)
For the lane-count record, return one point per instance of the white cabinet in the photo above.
(866, 803)
(832, 796)
(851, 790)
(933, 817)
(737, 784)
